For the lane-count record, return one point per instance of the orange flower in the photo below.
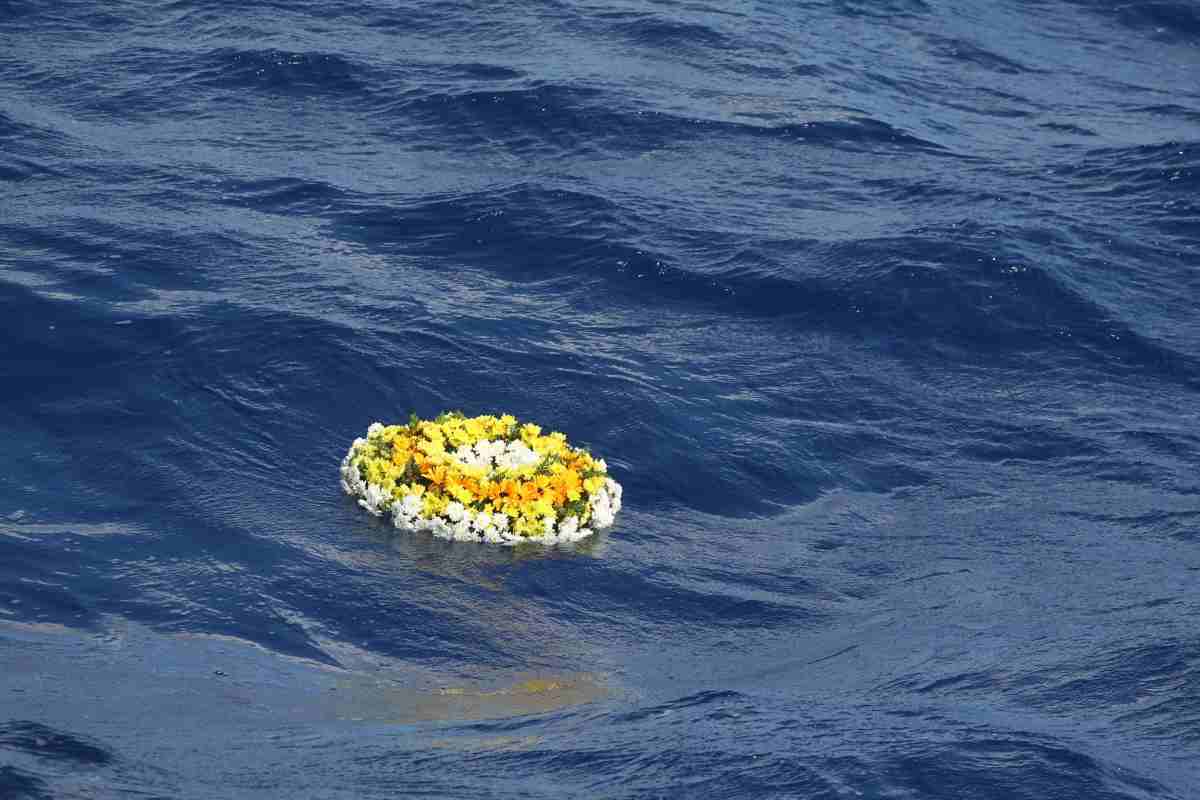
(530, 491)
(568, 484)
(433, 473)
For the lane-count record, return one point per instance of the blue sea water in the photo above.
(884, 314)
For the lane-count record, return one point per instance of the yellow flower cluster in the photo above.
(490, 476)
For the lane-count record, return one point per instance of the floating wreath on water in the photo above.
(487, 478)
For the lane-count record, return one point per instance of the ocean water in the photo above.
(883, 313)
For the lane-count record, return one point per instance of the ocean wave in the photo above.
(15, 169)
(700, 700)
(954, 770)
(884, 10)
(963, 51)
(579, 119)
(1170, 168)
(281, 71)
(283, 195)
(950, 286)
(43, 742)
(1174, 22)
(660, 32)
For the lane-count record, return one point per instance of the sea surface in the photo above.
(885, 314)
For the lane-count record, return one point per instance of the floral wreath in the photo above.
(486, 478)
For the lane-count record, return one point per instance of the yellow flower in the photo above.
(476, 429)
(433, 504)
(458, 436)
(432, 447)
(543, 507)
(528, 526)
(568, 484)
(400, 455)
(460, 493)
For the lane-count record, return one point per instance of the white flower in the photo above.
(516, 455)
(568, 527)
(489, 450)
(606, 503)
(461, 529)
(374, 499)
(406, 514)
(352, 482)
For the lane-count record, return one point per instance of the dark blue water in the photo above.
(884, 313)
